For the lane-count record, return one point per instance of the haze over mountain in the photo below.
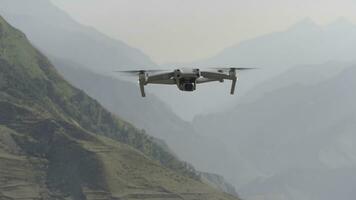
(292, 125)
(289, 133)
(185, 31)
(58, 35)
(293, 132)
(307, 42)
(58, 143)
(301, 44)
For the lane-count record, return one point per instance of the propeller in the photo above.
(137, 72)
(219, 69)
(224, 69)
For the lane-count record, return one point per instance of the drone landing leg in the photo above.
(142, 88)
(233, 85)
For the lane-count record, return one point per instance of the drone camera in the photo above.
(188, 87)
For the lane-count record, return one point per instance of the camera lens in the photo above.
(188, 87)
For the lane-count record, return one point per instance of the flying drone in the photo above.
(186, 79)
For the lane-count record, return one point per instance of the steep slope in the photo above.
(218, 182)
(155, 118)
(150, 114)
(68, 39)
(312, 123)
(58, 143)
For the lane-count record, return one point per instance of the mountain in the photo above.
(306, 184)
(58, 143)
(57, 34)
(304, 126)
(218, 182)
(304, 43)
(62, 44)
(150, 114)
(291, 63)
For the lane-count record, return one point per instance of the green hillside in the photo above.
(58, 143)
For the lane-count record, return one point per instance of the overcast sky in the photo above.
(187, 30)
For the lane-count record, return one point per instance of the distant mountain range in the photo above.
(304, 43)
(303, 126)
(58, 143)
(295, 117)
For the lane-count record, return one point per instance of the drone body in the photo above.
(186, 79)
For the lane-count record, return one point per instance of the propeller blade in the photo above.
(243, 68)
(137, 72)
(232, 68)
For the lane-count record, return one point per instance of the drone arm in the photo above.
(164, 82)
(205, 80)
(215, 75)
(159, 77)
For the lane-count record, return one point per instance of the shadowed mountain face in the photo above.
(58, 143)
(298, 129)
(55, 33)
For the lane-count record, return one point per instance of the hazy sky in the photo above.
(187, 30)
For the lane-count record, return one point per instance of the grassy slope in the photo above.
(46, 153)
